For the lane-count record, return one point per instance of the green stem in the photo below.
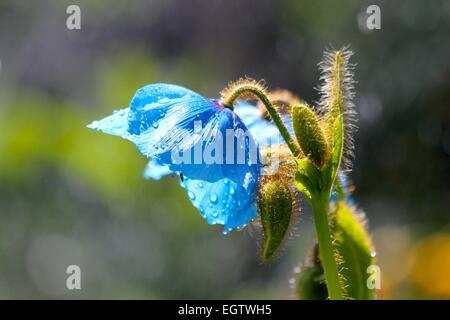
(327, 256)
(270, 109)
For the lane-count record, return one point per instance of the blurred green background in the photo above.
(72, 196)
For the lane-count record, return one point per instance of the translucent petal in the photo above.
(224, 201)
(179, 128)
(115, 124)
(264, 131)
(183, 132)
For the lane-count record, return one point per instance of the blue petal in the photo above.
(224, 201)
(166, 120)
(156, 171)
(115, 124)
(264, 131)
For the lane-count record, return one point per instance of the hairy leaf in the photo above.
(354, 247)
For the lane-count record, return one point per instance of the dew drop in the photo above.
(232, 190)
(155, 125)
(213, 198)
(191, 195)
(226, 181)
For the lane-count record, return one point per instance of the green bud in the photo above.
(310, 284)
(310, 134)
(276, 206)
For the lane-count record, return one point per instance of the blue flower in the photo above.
(208, 145)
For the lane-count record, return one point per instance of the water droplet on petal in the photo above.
(232, 190)
(191, 195)
(213, 198)
(155, 125)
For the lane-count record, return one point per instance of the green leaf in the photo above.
(333, 164)
(308, 178)
(338, 143)
(354, 248)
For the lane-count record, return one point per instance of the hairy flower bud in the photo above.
(310, 134)
(276, 206)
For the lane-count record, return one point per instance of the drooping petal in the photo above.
(183, 132)
(177, 127)
(224, 201)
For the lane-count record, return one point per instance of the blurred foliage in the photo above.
(70, 196)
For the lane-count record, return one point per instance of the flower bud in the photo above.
(310, 134)
(276, 206)
(310, 279)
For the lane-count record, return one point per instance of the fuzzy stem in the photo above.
(270, 109)
(327, 256)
